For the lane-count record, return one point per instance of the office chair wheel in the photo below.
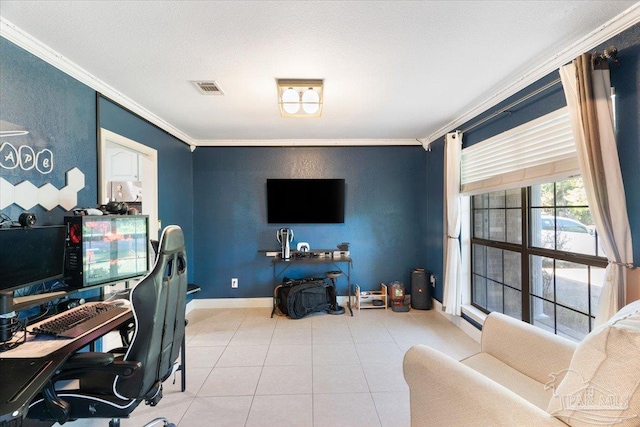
(164, 422)
(337, 309)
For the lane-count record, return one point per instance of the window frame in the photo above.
(527, 251)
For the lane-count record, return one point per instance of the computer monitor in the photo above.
(106, 249)
(29, 256)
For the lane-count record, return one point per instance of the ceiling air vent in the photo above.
(208, 88)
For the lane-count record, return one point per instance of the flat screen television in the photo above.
(30, 256)
(305, 201)
(104, 249)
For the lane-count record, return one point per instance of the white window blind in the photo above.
(538, 151)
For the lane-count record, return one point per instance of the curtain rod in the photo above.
(513, 104)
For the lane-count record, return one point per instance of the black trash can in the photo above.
(420, 289)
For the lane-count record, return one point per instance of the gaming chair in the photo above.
(112, 385)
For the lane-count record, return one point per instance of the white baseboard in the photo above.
(465, 326)
(190, 306)
(233, 302)
(240, 303)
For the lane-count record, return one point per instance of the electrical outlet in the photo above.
(234, 282)
(432, 279)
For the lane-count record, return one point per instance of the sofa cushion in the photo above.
(517, 382)
(444, 392)
(602, 385)
(526, 348)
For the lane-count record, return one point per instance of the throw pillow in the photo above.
(602, 384)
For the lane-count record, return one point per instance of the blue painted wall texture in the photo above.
(626, 79)
(175, 178)
(218, 195)
(385, 216)
(59, 115)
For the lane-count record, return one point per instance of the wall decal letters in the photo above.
(44, 161)
(26, 158)
(8, 156)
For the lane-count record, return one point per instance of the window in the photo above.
(536, 257)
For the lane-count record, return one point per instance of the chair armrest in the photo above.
(81, 363)
(88, 359)
(77, 365)
(121, 351)
(73, 366)
(526, 348)
(444, 392)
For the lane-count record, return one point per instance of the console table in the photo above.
(339, 263)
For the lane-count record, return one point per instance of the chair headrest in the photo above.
(172, 239)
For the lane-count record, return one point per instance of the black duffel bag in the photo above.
(297, 298)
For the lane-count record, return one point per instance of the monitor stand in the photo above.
(9, 303)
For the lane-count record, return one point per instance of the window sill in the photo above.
(473, 313)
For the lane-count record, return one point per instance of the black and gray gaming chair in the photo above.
(112, 385)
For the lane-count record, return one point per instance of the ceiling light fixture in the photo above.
(300, 98)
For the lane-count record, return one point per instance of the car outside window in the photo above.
(536, 257)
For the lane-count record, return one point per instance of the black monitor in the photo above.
(29, 256)
(305, 201)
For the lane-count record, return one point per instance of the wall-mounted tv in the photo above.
(305, 201)
(104, 249)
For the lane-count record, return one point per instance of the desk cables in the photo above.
(9, 326)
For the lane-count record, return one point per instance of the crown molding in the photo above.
(305, 142)
(24, 40)
(603, 33)
(606, 31)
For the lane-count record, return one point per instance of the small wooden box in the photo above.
(364, 299)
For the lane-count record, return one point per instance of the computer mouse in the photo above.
(120, 302)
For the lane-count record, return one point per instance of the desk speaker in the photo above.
(420, 289)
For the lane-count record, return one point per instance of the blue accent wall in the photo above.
(434, 232)
(59, 114)
(218, 195)
(385, 214)
(175, 176)
(626, 79)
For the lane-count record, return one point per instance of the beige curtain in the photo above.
(588, 98)
(451, 301)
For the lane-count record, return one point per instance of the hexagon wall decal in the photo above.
(26, 195)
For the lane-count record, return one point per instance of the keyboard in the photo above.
(78, 320)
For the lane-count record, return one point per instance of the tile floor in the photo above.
(246, 369)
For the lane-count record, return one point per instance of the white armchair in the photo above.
(525, 376)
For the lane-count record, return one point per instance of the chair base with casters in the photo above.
(111, 385)
(158, 421)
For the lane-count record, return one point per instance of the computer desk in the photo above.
(25, 370)
(284, 265)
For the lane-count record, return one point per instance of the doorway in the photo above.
(129, 170)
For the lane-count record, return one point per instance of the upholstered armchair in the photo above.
(525, 376)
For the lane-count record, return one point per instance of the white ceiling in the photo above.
(393, 70)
